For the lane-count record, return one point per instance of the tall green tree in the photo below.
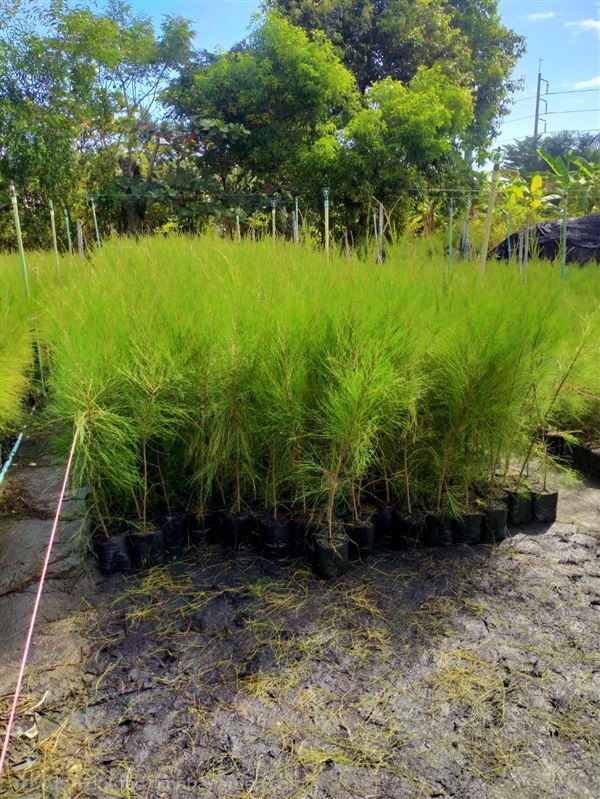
(400, 143)
(78, 102)
(393, 38)
(281, 86)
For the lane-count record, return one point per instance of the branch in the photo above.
(153, 159)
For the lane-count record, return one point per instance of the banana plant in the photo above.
(528, 195)
(582, 183)
(587, 181)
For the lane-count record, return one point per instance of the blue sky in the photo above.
(565, 34)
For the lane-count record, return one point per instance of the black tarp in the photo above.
(583, 240)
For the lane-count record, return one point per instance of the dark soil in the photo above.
(465, 672)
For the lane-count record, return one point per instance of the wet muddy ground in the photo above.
(469, 672)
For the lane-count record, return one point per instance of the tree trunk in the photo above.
(134, 209)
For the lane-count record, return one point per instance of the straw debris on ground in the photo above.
(470, 673)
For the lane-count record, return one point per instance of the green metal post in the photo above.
(296, 222)
(98, 242)
(13, 199)
(54, 242)
(450, 233)
(326, 209)
(563, 273)
(68, 232)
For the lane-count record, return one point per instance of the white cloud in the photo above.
(542, 15)
(589, 84)
(585, 25)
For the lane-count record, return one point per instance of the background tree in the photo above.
(399, 144)
(282, 87)
(393, 38)
(523, 156)
(78, 99)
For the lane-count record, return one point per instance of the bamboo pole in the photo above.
(54, 241)
(274, 218)
(95, 223)
(13, 200)
(346, 243)
(490, 211)
(238, 230)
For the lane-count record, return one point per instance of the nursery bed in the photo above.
(470, 672)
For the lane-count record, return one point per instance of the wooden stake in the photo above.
(95, 223)
(346, 243)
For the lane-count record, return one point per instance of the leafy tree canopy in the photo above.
(281, 86)
(79, 91)
(393, 38)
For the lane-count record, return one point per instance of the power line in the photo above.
(547, 94)
(522, 99)
(575, 91)
(574, 111)
(519, 119)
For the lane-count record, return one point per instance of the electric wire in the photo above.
(548, 94)
(573, 111)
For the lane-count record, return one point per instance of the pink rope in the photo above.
(36, 606)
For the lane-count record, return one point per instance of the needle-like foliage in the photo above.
(208, 373)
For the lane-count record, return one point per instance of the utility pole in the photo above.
(538, 100)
